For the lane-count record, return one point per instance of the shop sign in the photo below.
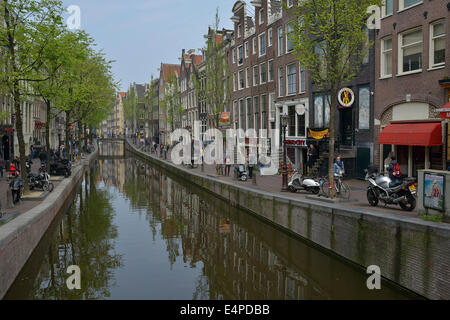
(39, 125)
(445, 113)
(346, 97)
(434, 191)
(224, 118)
(296, 143)
(318, 135)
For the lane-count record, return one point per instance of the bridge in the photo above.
(111, 147)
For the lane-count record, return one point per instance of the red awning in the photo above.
(413, 134)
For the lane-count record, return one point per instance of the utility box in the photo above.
(433, 195)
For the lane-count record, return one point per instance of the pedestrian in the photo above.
(227, 165)
(312, 157)
(339, 167)
(395, 172)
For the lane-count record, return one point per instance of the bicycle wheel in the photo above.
(325, 187)
(345, 191)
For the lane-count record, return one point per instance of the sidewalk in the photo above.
(273, 184)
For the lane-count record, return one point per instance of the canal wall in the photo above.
(19, 237)
(412, 253)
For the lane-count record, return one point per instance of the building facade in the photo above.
(412, 54)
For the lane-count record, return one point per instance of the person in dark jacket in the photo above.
(313, 154)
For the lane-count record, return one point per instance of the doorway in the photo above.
(347, 128)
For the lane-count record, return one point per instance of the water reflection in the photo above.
(160, 238)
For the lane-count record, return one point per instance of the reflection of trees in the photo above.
(85, 238)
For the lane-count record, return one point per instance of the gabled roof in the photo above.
(169, 69)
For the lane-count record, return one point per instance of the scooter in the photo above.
(16, 187)
(298, 182)
(241, 173)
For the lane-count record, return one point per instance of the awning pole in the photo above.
(410, 161)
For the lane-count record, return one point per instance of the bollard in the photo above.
(9, 199)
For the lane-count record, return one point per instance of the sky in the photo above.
(140, 34)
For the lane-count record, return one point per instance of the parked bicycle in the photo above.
(341, 189)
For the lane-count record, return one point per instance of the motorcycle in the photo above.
(61, 167)
(40, 181)
(16, 187)
(298, 182)
(241, 172)
(383, 189)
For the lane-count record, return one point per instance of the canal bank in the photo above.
(19, 237)
(410, 252)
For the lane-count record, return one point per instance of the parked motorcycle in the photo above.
(16, 187)
(383, 189)
(241, 172)
(298, 182)
(61, 167)
(40, 181)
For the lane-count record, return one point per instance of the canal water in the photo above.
(137, 233)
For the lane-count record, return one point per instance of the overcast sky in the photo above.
(140, 34)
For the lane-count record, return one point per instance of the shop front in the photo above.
(416, 145)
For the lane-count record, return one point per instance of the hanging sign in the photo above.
(346, 97)
(318, 135)
(224, 118)
(300, 109)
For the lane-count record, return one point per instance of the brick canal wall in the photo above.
(411, 252)
(19, 237)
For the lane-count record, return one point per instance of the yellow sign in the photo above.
(318, 135)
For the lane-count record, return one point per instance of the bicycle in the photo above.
(340, 187)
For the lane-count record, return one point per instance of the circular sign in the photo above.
(346, 97)
(300, 109)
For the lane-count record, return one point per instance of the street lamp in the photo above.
(284, 123)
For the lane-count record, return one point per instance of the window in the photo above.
(291, 79)
(365, 48)
(262, 44)
(290, 3)
(272, 106)
(281, 82)
(261, 16)
(364, 108)
(301, 124)
(255, 75)
(257, 119)
(302, 79)
(241, 80)
(321, 111)
(386, 57)
(234, 81)
(246, 49)
(233, 53)
(289, 44)
(270, 79)
(270, 36)
(280, 41)
(247, 76)
(403, 4)
(249, 113)
(437, 45)
(264, 112)
(240, 55)
(291, 122)
(410, 55)
(263, 72)
(241, 114)
(239, 31)
(254, 45)
(387, 8)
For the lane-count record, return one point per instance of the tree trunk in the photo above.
(85, 138)
(47, 136)
(331, 144)
(67, 132)
(20, 138)
(79, 136)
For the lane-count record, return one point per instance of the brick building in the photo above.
(411, 55)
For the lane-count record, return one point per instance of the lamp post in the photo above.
(284, 122)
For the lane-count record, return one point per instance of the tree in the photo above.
(216, 89)
(330, 40)
(172, 101)
(26, 29)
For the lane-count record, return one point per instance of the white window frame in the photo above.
(247, 82)
(287, 39)
(281, 94)
(271, 106)
(240, 63)
(301, 71)
(269, 37)
(255, 83)
(273, 71)
(260, 73)
(254, 48)
(383, 59)
(261, 14)
(233, 53)
(401, 5)
(383, 9)
(265, 44)
(239, 80)
(400, 51)
(280, 42)
(432, 39)
(287, 80)
(246, 49)
(239, 30)
(234, 81)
